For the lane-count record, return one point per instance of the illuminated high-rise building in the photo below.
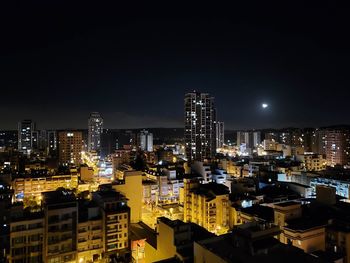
(95, 124)
(25, 132)
(251, 139)
(69, 147)
(199, 126)
(220, 136)
(337, 146)
(146, 141)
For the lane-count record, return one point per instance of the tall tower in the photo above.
(220, 134)
(200, 127)
(95, 124)
(146, 141)
(25, 132)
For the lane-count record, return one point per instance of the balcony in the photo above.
(112, 241)
(110, 231)
(53, 251)
(53, 242)
(112, 221)
(66, 229)
(65, 238)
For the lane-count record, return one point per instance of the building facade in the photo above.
(60, 227)
(26, 238)
(51, 142)
(220, 134)
(200, 117)
(26, 129)
(69, 147)
(95, 126)
(206, 205)
(115, 222)
(337, 147)
(146, 141)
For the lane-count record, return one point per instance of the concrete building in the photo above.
(146, 141)
(251, 139)
(270, 145)
(86, 173)
(26, 238)
(150, 191)
(115, 223)
(90, 233)
(52, 143)
(70, 145)
(252, 242)
(200, 117)
(337, 147)
(338, 238)
(130, 185)
(341, 187)
(206, 205)
(25, 136)
(233, 168)
(220, 134)
(173, 238)
(34, 186)
(326, 194)
(283, 212)
(306, 234)
(314, 162)
(95, 130)
(60, 226)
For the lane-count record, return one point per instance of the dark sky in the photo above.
(133, 63)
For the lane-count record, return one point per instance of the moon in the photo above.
(264, 105)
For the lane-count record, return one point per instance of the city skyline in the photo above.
(152, 132)
(135, 66)
(157, 125)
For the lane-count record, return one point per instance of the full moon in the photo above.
(264, 105)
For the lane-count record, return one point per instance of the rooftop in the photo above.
(211, 190)
(262, 212)
(297, 184)
(171, 223)
(272, 251)
(57, 197)
(306, 223)
(287, 204)
(142, 231)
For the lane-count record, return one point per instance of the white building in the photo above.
(146, 141)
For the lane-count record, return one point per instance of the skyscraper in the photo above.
(220, 136)
(95, 124)
(251, 139)
(146, 141)
(25, 133)
(199, 126)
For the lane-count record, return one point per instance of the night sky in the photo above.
(134, 63)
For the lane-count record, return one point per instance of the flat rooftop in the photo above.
(142, 231)
(57, 197)
(288, 203)
(305, 223)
